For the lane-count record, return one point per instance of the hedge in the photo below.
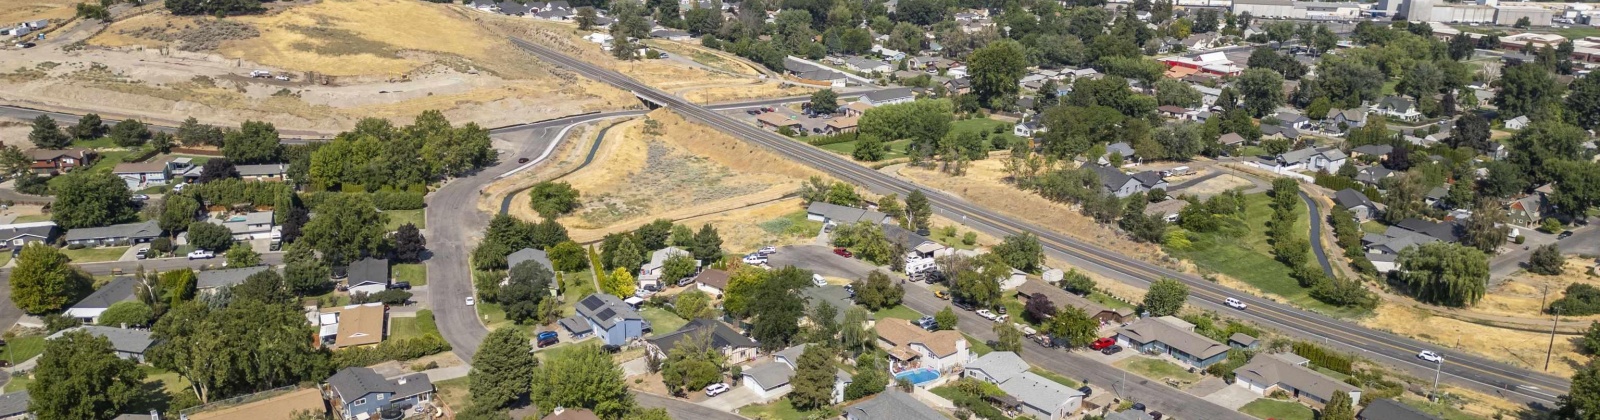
(406, 349)
(383, 199)
(230, 192)
(1323, 357)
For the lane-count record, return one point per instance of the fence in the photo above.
(239, 400)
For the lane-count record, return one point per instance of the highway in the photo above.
(1536, 389)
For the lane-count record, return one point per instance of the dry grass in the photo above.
(1522, 295)
(1216, 185)
(365, 37)
(126, 32)
(1519, 348)
(12, 11)
(740, 229)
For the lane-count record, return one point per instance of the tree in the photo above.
(1590, 344)
(216, 8)
(1176, 92)
(90, 199)
(1445, 273)
(707, 244)
(553, 199)
(581, 377)
(1583, 103)
(869, 149)
(918, 210)
(619, 283)
(210, 236)
(409, 243)
(127, 314)
(1165, 297)
(1527, 89)
(254, 142)
(80, 377)
(1546, 260)
(1582, 401)
(47, 135)
(692, 365)
(265, 286)
(89, 127)
(43, 282)
(587, 18)
(527, 285)
(824, 101)
(693, 304)
(1074, 326)
(678, 267)
(217, 169)
(777, 307)
(1262, 90)
(813, 379)
(192, 133)
(1077, 283)
(1010, 339)
(1338, 408)
(568, 256)
(946, 319)
(876, 292)
(1488, 227)
(1039, 308)
(1471, 130)
(250, 345)
(1577, 186)
(1022, 252)
(241, 255)
(995, 69)
(501, 367)
(347, 227)
(129, 133)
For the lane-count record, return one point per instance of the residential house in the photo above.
(1526, 211)
(1118, 149)
(911, 346)
(650, 274)
(369, 275)
(353, 325)
(56, 161)
(1384, 263)
(1350, 118)
(263, 172)
(865, 65)
(361, 393)
(89, 309)
(888, 97)
(17, 235)
(1173, 112)
(776, 121)
(1208, 95)
(1312, 159)
(840, 125)
(833, 295)
(888, 54)
(14, 406)
(770, 380)
(958, 86)
(115, 235)
(1279, 132)
(610, 318)
(855, 109)
(1129, 414)
(1242, 341)
(1174, 337)
(143, 175)
(1373, 175)
(1026, 129)
(249, 226)
(834, 214)
(1518, 123)
(513, 8)
(1231, 139)
(530, 254)
(891, 405)
(1200, 42)
(1267, 373)
(1381, 151)
(1410, 232)
(210, 281)
(1035, 395)
(1062, 298)
(920, 251)
(1396, 106)
(1116, 182)
(718, 335)
(1357, 203)
(1290, 119)
(1389, 409)
(1166, 209)
(995, 367)
(712, 281)
(128, 344)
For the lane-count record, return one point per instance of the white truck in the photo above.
(260, 74)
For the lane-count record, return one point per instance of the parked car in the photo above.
(402, 285)
(547, 339)
(962, 304)
(828, 228)
(469, 301)
(999, 318)
(767, 250)
(142, 253)
(816, 279)
(1429, 355)
(927, 322)
(1564, 235)
(179, 187)
(522, 160)
(611, 348)
(1044, 340)
(139, 197)
(1102, 343)
(716, 389)
(1114, 349)
(1235, 303)
(685, 281)
(755, 259)
(201, 254)
(843, 253)
(1086, 390)
(986, 314)
(941, 294)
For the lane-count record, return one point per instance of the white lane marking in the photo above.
(547, 150)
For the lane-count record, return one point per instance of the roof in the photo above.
(901, 334)
(1373, 174)
(52, 154)
(606, 310)
(360, 325)
(1388, 409)
(792, 354)
(1033, 390)
(1000, 365)
(778, 119)
(119, 289)
(1119, 147)
(832, 294)
(373, 270)
(714, 278)
(1353, 114)
(722, 336)
(659, 257)
(140, 167)
(147, 229)
(1241, 338)
(1172, 109)
(1373, 149)
(1166, 207)
(1286, 131)
(14, 403)
(844, 122)
(123, 340)
(575, 324)
(1111, 178)
(892, 405)
(910, 240)
(354, 382)
(266, 169)
(1129, 414)
(15, 230)
(864, 63)
(1150, 330)
(1268, 369)
(1442, 231)
(1149, 179)
(572, 414)
(770, 375)
(529, 254)
(1305, 155)
(211, 279)
(1059, 297)
(1231, 138)
(887, 95)
(1349, 198)
(844, 214)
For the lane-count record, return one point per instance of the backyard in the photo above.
(662, 321)
(1267, 408)
(985, 125)
(399, 218)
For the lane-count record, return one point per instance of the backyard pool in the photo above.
(918, 376)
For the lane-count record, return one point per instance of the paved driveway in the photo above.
(1231, 396)
(739, 396)
(821, 260)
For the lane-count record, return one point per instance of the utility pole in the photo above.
(1551, 349)
(1433, 396)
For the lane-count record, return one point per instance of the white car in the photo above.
(986, 314)
(767, 250)
(201, 254)
(1235, 303)
(470, 301)
(714, 389)
(1429, 355)
(1001, 318)
(818, 280)
(755, 259)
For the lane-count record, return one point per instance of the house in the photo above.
(770, 380)
(1118, 149)
(1381, 151)
(1290, 119)
(529, 254)
(776, 121)
(115, 235)
(1267, 373)
(866, 65)
(834, 295)
(840, 125)
(614, 321)
(1373, 175)
(1035, 396)
(958, 86)
(210, 281)
(369, 275)
(353, 325)
(143, 175)
(887, 97)
(834, 214)
(360, 393)
(1129, 414)
(249, 226)
(1062, 298)
(1518, 123)
(125, 343)
(1231, 139)
(891, 405)
(1242, 341)
(1398, 107)
(1312, 159)
(562, 413)
(1173, 111)
(57, 161)
(995, 367)
(1526, 211)
(1167, 210)
(1198, 42)
(89, 309)
(1113, 181)
(1357, 203)
(1279, 132)
(18, 235)
(1174, 337)
(1388, 409)
(1384, 263)
(650, 274)
(1410, 232)
(1012, 280)
(920, 251)
(910, 346)
(263, 172)
(712, 281)
(1350, 118)
(718, 335)
(14, 406)
(855, 109)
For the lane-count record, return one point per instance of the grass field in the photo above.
(899, 311)
(18, 383)
(453, 391)
(399, 218)
(95, 254)
(1280, 410)
(1105, 299)
(1055, 377)
(985, 125)
(29, 218)
(574, 287)
(416, 274)
(953, 241)
(783, 410)
(170, 381)
(897, 149)
(792, 224)
(1156, 369)
(662, 321)
(22, 348)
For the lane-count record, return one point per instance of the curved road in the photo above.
(1536, 389)
(1316, 234)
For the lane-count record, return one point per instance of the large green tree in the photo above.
(43, 281)
(253, 142)
(995, 69)
(90, 199)
(824, 101)
(501, 368)
(1339, 407)
(1262, 90)
(248, 346)
(1165, 297)
(553, 199)
(347, 227)
(528, 286)
(1445, 273)
(1582, 401)
(1583, 103)
(813, 379)
(1528, 89)
(47, 135)
(581, 377)
(210, 236)
(1022, 252)
(127, 313)
(80, 377)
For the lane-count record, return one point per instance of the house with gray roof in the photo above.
(248, 226)
(1357, 203)
(1518, 123)
(1393, 240)
(1129, 414)
(529, 254)
(1396, 106)
(891, 405)
(1174, 337)
(1311, 159)
(834, 295)
(771, 380)
(1267, 373)
(17, 235)
(1389, 409)
(865, 65)
(1380, 150)
(1062, 298)
(888, 97)
(1114, 181)
(995, 367)
(920, 251)
(14, 406)
(115, 235)
(89, 309)
(651, 272)
(1035, 395)
(209, 281)
(1373, 175)
(368, 275)
(829, 213)
(125, 343)
(718, 335)
(361, 393)
(263, 172)
(1351, 118)
(614, 321)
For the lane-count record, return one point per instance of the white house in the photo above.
(888, 97)
(1287, 372)
(1312, 159)
(1398, 107)
(1518, 123)
(369, 275)
(770, 380)
(253, 225)
(910, 346)
(89, 309)
(1039, 397)
(650, 274)
(712, 281)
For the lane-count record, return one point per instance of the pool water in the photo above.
(918, 376)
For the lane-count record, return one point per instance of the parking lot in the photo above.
(820, 260)
(806, 123)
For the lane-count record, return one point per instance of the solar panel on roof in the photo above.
(606, 314)
(593, 302)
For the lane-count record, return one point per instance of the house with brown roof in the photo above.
(57, 161)
(910, 346)
(1287, 372)
(777, 120)
(712, 281)
(1062, 298)
(141, 175)
(838, 125)
(352, 325)
(1173, 337)
(855, 109)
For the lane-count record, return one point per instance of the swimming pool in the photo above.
(918, 376)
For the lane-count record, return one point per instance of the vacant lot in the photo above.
(12, 11)
(1522, 349)
(1524, 293)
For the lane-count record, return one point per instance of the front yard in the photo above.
(1268, 408)
(22, 348)
(399, 218)
(1158, 369)
(88, 255)
(898, 311)
(416, 274)
(783, 410)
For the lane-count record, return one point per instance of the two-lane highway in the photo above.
(1461, 368)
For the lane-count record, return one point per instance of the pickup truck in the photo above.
(201, 254)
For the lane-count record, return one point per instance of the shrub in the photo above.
(1323, 357)
(407, 349)
(397, 200)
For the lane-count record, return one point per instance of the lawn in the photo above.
(99, 143)
(30, 218)
(575, 286)
(453, 391)
(399, 218)
(898, 311)
(1055, 377)
(1281, 410)
(951, 238)
(416, 274)
(985, 125)
(783, 410)
(897, 149)
(18, 383)
(5, 258)
(949, 392)
(107, 161)
(1156, 369)
(1111, 302)
(86, 255)
(978, 346)
(23, 347)
(662, 321)
(793, 225)
(401, 328)
(173, 383)
(1373, 226)
(336, 299)
(1388, 87)
(1331, 374)
(492, 315)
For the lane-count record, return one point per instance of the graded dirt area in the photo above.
(1523, 349)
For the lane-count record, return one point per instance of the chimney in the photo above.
(402, 380)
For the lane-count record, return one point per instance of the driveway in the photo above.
(821, 260)
(739, 396)
(419, 301)
(1231, 396)
(132, 254)
(680, 409)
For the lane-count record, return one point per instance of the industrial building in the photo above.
(1312, 10)
(1483, 11)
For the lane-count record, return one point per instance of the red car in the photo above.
(843, 253)
(1102, 343)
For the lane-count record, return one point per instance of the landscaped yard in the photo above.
(783, 410)
(22, 348)
(18, 383)
(1373, 226)
(401, 328)
(1267, 408)
(792, 224)
(1156, 369)
(173, 383)
(574, 287)
(398, 218)
(416, 274)
(950, 239)
(662, 321)
(1105, 299)
(985, 125)
(86, 255)
(899, 311)
(453, 391)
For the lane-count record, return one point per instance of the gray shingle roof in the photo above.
(1110, 178)
(1349, 198)
(892, 405)
(606, 310)
(832, 294)
(123, 340)
(575, 324)
(887, 95)
(1035, 391)
(268, 169)
(1268, 369)
(791, 354)
(1373, 149)
(771, 375)
(119, 289)
(529, 254)
(1000, 365)
(14, 403)
(1152, 329)
(722, 336)
(42, 230)
(354, 382)
(366, 270)
(844, 214)
(211, 279)
(149, 229)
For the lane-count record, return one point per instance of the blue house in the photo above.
(1173, 337)
(360, 392)
(610, 319)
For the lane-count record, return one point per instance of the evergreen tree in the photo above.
(813, 379)
(47, 135)
(501, 367)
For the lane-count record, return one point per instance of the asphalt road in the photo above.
(1316, 234)
(680, 409)
(1585, 240)
(1536, 389)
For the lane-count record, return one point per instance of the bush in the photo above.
(1581, 299)
(402, 200)
(407, 349)
(1323, 357)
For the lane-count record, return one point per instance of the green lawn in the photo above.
(453, 391)
(1373, 226)
(107, 160)
(792, 225)
(1111, 302)
(953, 241)
(493, 315)
(947, 391)
(337, 299)
(1335, 375)
(985, 125)
(401, 328)
(978, 346)
(416, 274)
(30, 218)
(899, 311)
(18, 383)
(86, 255)
(1055, 377)
(5, 258)
(575, 286)
(1158, 369)
(100, 143)
(1444, 411)
(173, 383)
(897, 149)
(22, 348)
(1280, 410)
(662, 321)
(1388, 87)
(783, 410)
(399, 218)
